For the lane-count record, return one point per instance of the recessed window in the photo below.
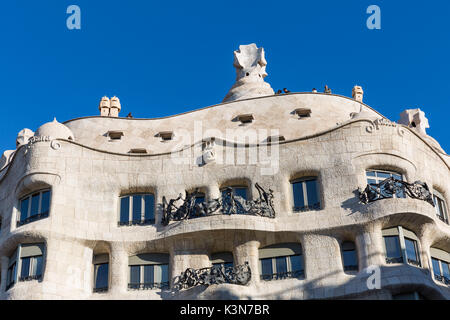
(441, 208)
(401, 245)
(375, 177)
(101, 272)
(240, 191)
(306, 194)
(115, 135)
(165, 135)
(149, 271)
(303, 112)
(440, 261)
(349, 256)
(281, 261)
(222, 260)
(138, 209)
(34, 207)
(245, 118)
(138, 151)
(28, 260)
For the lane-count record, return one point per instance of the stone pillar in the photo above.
(118, 269)
(4, 261)
(213, 192)
(322, 257)
(369, 244)
(248, 252)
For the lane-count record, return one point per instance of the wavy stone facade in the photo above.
(87, 172)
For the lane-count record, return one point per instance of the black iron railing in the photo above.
(32, 219)
(414, 262)
(100, 289)
(394, 260)
(283, 275)
(351, 268)
(144, 222)
(148, 286)
(313, 207)
(30, 278)
(442, 279)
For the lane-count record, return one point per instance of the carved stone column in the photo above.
(118, 269)
(248, 252)
(4, 261)
(369, 244)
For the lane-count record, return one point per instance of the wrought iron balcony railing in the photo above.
(144, 222)
(314, 207)
(148, 285)
(391, 187)
(228, 204)
(351, 268)
(32, 219)
(283, 275)
(442, 279)
(240, 275)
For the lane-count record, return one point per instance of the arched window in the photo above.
(33, 207)
(101, 272)
(439, 204)
(306, 194)
(401, 245)
(137, 209)
(349, 256)
(440, 261)
(28, 260)
(377, 176)
(222, 260)
(149, 271)
(281, 261)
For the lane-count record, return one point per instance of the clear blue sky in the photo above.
(165, 57)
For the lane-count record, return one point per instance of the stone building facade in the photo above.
(86, 212)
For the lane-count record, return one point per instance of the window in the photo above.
(439, 204)
(101, 272)
(222, 260)
(349, 256)
(149, 271)
(34, 207)
(281, 261)
(408, 296)
(240, 191)
(306, 194)
(29, 265)
(440, 261)
(401, 246)
(137, 209)
(377, 176)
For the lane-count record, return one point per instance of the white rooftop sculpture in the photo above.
(414, 118)
(250, 65)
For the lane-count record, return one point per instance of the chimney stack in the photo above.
(358, 93)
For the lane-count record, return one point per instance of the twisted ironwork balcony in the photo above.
(32, 219)
(391, 187)
(148, 285)
(394, 260)
(228, 204)
(144, 222)
(100, 290)
(240, 275)
(299, 274)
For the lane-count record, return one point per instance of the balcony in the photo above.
(442, 279)
(227, 204)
